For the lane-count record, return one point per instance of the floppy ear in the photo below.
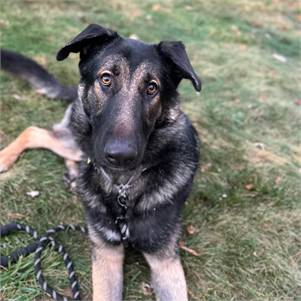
(93, 33)
(175, 52)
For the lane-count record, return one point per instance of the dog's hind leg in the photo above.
(107, 270)
(34, 137)
(168, 278)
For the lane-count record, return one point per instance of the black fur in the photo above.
(36, 76)
(168, 144)
(124, 119)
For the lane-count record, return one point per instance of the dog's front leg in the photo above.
(107, 271)
(168, 277)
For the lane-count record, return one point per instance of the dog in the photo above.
(132, 150)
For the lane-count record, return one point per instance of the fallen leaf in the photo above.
(243, 47)
(298, 102)
(3, 24)
(156, 7)
(261, 156)
(192, 295)
(191, 229)
(15, 215)
(206, 167)
(236, 30)
(33, 193)
(187, 249)
(134, 36)
(16, 96)
(249, 186)
(259, 145)
(41, 59)
(279, 58)
(278, 180)
(146, 289)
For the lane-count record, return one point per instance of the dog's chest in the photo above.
(117, 217)
(111, 215)
(145, 232)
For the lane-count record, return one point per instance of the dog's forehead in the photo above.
(134, 53)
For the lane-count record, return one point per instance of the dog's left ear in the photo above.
(175, 52)
(92, 34)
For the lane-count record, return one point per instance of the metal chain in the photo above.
(121, 220)
(38, 247)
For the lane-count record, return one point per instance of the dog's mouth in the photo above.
(121, 169)
(115, 169)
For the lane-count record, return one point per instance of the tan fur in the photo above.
(97, 92)
(107, 270)
(73, 172)
(34, 137)
(168, 278)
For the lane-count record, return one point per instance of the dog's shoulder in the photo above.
(177, 138)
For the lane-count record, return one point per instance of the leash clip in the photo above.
(122, 201)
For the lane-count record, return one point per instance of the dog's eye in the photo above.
(152, 88)
(106, 78)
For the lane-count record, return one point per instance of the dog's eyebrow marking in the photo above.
(145, 72)
(112, 62)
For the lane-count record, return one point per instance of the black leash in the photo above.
(40, 243)
(38, 246)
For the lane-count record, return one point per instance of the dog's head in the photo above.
(127, 89)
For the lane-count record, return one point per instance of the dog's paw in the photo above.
(6, 161)
(71, 174)
(70, 181)
(3, 168)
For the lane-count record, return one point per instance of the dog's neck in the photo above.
(124, 178)
(111, 181)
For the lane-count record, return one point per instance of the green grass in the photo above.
(246, 201)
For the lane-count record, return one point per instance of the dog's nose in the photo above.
(120, 154)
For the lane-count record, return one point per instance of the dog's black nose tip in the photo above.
(120, 155)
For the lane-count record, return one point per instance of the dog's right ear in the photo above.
(92, 34)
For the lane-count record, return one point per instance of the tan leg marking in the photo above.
(72, 174)
(72, 167)
(107, 270)
(34, 137)
(168, 278)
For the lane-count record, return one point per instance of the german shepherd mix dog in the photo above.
(137, 151)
